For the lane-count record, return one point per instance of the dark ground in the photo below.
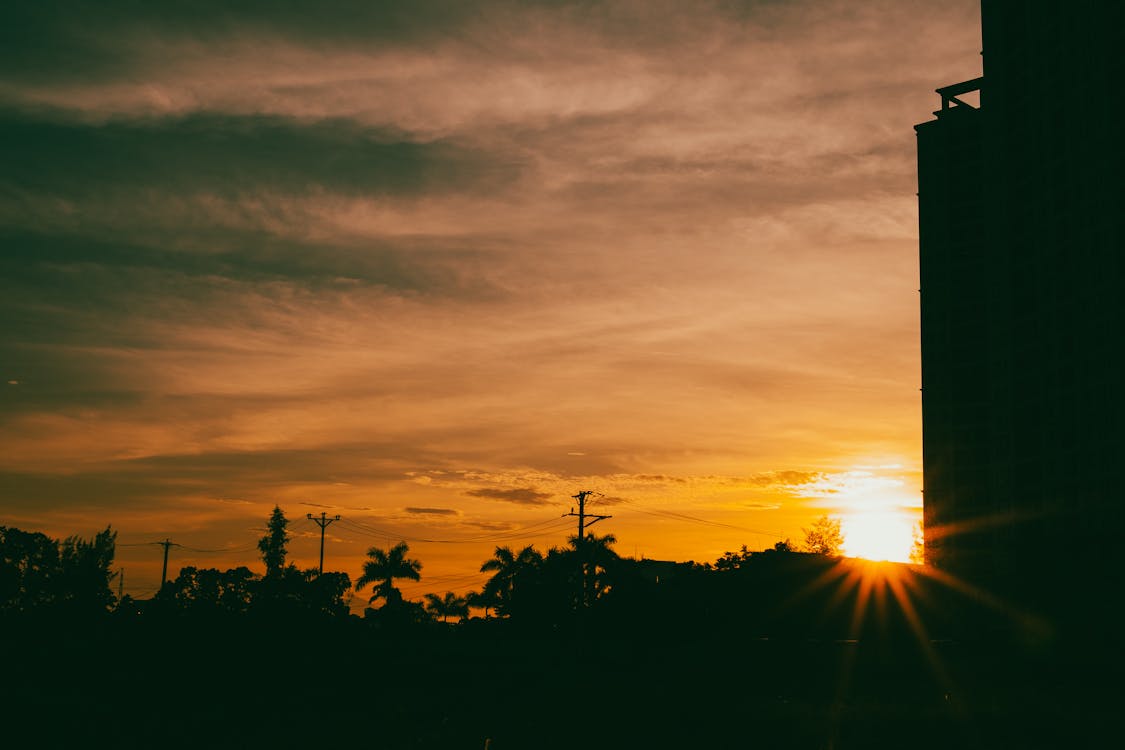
(241, 683)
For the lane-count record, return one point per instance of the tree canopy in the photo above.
(274, 544)
(824, 537)
(383, 566)
(38, 572)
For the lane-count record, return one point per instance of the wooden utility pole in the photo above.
(580, 543)
(322, 522)
(164, 573)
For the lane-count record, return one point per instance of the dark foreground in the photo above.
(169, 683)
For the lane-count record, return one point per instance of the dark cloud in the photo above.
(432, 511)
(230, 155)
(90, 40)
(63, 288)
(521, 496)
(612, 500)
(102, 220)
(489, 525)
(84, 40)
(154, 480)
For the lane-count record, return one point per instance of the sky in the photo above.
(437, 266)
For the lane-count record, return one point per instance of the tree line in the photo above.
(40, 574)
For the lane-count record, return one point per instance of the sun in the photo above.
(878, 535)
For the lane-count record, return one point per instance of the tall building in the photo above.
(1023, 321)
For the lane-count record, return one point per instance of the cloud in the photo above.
(433, 511)
(612, 500)
(489, 525)
(784, 478)
(226, 155)
(521, 495)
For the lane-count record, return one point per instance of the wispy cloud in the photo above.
(519, 495)
(432, 511)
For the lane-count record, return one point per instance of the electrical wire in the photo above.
(549, 526)
(242, 548)
(694, 519)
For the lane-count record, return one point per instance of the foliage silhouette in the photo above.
(283, 591)
(733, 560)
(37, 572)
(783, 546)
(824, 537)
(238, 591)
(597, 561)
(509, 569)
(273, 545)
(451, 605)
(918, 545)
(208, 590)
(385, 566)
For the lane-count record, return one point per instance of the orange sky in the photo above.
(436, 270)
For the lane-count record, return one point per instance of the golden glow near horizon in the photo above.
(437, 276)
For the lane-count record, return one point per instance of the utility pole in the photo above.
(580, 544)
(164, 573)
(120, 584)
(322, 522)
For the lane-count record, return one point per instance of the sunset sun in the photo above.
(878, 535)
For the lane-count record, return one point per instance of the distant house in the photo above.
(656, 571)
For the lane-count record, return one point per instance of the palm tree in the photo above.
(449, 606)
(480, 600)
(508, 566)
(384, 567)
(595, 559)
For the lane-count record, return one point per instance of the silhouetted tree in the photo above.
(508, 568)
(736, 560)
(209, 590)
(479, 600)
(29, 567)
(733, 560)
(448, 606)
(385, 566)
(205, 591)
(327, 593)
(598, 560)
(918, 545)
(37, 571)
(824, 537)
(783, 546)
(273, 545)
(86, 568)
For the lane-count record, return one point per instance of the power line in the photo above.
(357, 527)
(695, 519)
(242, 548)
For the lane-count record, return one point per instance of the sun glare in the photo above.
(878, 536)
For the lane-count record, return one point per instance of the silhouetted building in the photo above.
(1023, 403)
